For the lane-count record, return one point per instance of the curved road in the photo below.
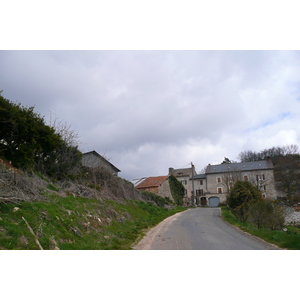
(199, 229)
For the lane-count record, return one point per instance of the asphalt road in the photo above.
(199, 229)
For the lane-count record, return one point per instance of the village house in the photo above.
(94, 160)
(184, 176)
(212, 187)
(158, 185)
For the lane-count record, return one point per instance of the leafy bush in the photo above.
(240, 197)
(32, 145)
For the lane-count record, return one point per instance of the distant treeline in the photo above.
(31, 145)
(273, 153)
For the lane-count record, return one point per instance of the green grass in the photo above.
(77, 223)
(52, 187)
(287, 240)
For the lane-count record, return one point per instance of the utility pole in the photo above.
(193, 198)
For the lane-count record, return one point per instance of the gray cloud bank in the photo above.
(150, 110)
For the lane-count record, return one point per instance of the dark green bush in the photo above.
(240, 197)
(177, 190)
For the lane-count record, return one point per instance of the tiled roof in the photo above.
(237, 167)
(152, 182)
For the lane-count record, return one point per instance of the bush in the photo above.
(276, 219)
(265, 213)
(240, 197)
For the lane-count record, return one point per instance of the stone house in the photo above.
(184, 176)
(158, 185)
(94, 160)
(214, 185)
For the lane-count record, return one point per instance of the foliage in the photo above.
(160, 201)
(227, 161)
(240, 197)
(77, 223)
(177, 190)
(30, 144)
(288, 240)
(287, 176)
(273, 153)
(267, 214)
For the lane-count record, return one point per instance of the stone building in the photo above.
(158, 185)
(94, 160)
(184, 176)
(217, 181)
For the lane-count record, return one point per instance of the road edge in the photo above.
(143, 242)
(253, 236)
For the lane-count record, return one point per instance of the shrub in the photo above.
(265, 213)
(276, 219)
(240, 197)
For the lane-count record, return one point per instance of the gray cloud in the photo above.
(148, 110)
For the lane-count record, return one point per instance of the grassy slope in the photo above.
(77, 223)
(287, 240)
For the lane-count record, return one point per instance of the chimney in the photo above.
(171, 170)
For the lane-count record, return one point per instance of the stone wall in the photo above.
(165, 191)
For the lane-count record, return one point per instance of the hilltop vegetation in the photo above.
(48, 200)
(32, 145)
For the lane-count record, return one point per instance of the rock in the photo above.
(16, 209)
(292, 217)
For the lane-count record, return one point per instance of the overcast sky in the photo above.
(147, 111)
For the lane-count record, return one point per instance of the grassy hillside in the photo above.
(76, 223)
(39, 213)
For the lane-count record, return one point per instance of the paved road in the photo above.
(199, 229)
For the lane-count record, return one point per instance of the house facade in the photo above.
(217, 181)
(158, 185)
(184, 176)
(94, 160)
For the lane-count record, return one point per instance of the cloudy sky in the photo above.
(147, 111)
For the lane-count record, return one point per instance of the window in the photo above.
(199, 192)
(184, 182)
(219, 179)
(262, 187)
(220, 190)
(260, 177)
(201, 182)
(246, 178)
